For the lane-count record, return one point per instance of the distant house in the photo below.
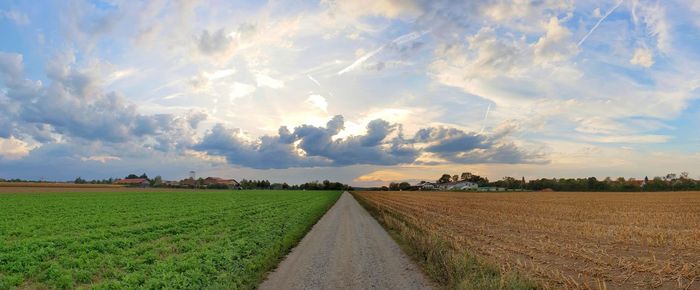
(230, 183)
(427, 186)
(135, 182)
(171, 183)
(459, 185)
(189, 182)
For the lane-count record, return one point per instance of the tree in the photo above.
(158, 181)
(670, 176)
(393, 186)
(404, 186)
(465, 175)
(79, 180)
(144, 176)
(445, 178)
(131, 176)
(455, 178)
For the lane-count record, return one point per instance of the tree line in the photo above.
(313, 185)
(669, 182)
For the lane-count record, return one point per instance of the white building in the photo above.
(427, 186)
(459, 185)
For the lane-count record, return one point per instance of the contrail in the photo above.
(314, 80)
(361, 60)
(399, 40)
(598, 23)
(483, 126)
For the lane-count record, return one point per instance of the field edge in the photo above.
(446, 266)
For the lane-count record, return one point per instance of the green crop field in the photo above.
(183, 239)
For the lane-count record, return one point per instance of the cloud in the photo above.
(381, 176)
(383, 8)
(317, 101)
(211, 43)
(11, 67)
(457, 146)
(653, 16)
(266, 152)
(382, 144)
(395, 44)
(102, 158)
(642, 57)
(267, 81)
(80, 157)
(17, 17)
(12, 148)
(596, 13)
(72, 105)
(556, 45)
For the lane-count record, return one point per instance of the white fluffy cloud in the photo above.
(12, 148)
(556, 45)
(318, 101)
(642, 57)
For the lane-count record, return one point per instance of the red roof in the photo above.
(218, 180)
(131, 181)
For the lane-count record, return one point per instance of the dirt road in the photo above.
(347, 249)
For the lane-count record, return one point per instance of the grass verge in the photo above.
(448, 267)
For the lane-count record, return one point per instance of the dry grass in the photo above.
(564, 240)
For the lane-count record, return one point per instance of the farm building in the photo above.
(135, 182)
(427, 186)
(171, 183)
(459, 185)
(231, 183)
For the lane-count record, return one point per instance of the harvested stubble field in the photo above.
(560, 240)
(190, 239)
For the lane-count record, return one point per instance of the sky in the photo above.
(365, 92)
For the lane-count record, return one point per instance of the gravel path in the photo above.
(347, 249)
